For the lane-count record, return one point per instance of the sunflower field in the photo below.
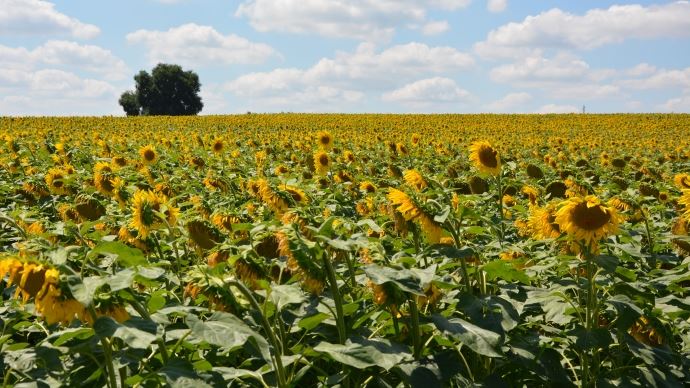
(301, 250)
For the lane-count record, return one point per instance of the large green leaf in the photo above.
(413, 280)
(504, 270)
(126, 255)
(136, 332)
(226, 331)
(365, 353)
(480, 340)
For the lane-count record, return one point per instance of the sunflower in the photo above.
(414, 179)
(146, 207)
(542, 222)
(325, 140)
(367, 187)
(148, 154)
(296, 194)
(56, 181)
(204, 234)
(485, 158)
(682, 181)
(102, 178)
(322, 162)
(217, 145)
(410, 211)
(587, 219)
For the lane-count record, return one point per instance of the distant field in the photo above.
(360, 250)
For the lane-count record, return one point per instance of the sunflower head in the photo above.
(415, 180)
(485, 158)
(322, 162)
(148, 154)
(586, 219)
(217, 145)
(325, 140)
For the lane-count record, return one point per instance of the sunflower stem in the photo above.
(501, 231)
(277, 350)
(333, 283)
(416, 334)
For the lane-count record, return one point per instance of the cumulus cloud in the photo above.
(66, 54)
(369, 20)
(496, 5)
(536, 69)
(36, 17)
(54, 92)
(430, 91)
(659, 79)
(350, 76)
(597, 27)
(553, 108)
(192, 45)
(678, 104)
(435, 28)
(364, 69)
(510, 102)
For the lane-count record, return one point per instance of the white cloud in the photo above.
(641, 70)
(192, 44)
(510, 102)
(348, 76)
(364, 69)
(430, 91)
(553, 108)
(559, 29)
(54, 92)
(369, 20)
(496, 5)
(678, 104)
(435, 28)
(536, 69)
(36, 17)
(67, 54)
(660, 79)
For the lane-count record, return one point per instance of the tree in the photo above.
(168, 90)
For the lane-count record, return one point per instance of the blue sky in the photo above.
(76, 57)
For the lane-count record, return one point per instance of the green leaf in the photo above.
(126, 255)
(284, 294)
(64, 336)
(156, 301)
(366, 354)
(226, 331)
(480, 340)
(130, 332)
(413, 281)
(504, 270)
(83, 292)
(312, 321)
(608, 263)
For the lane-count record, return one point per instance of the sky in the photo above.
(75, 57)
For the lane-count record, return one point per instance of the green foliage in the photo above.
(167, 90)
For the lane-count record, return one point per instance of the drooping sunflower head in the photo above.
(542, 222)
(148, 154)
(485, 158)
(587, 219)
(325, 140)
(414, 179)
(56, 179)
(296, 194)
(367, 187)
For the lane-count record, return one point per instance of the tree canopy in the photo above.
(167, 90)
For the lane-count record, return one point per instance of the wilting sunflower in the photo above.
(410, 211)
(325, 140)
(148, 154)
(415, 180)
(685, 201)
(102, 178)
(485, 158)
(322, 162)
(587, 219)
(296, 194)
(145, 206)
(367, 187)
